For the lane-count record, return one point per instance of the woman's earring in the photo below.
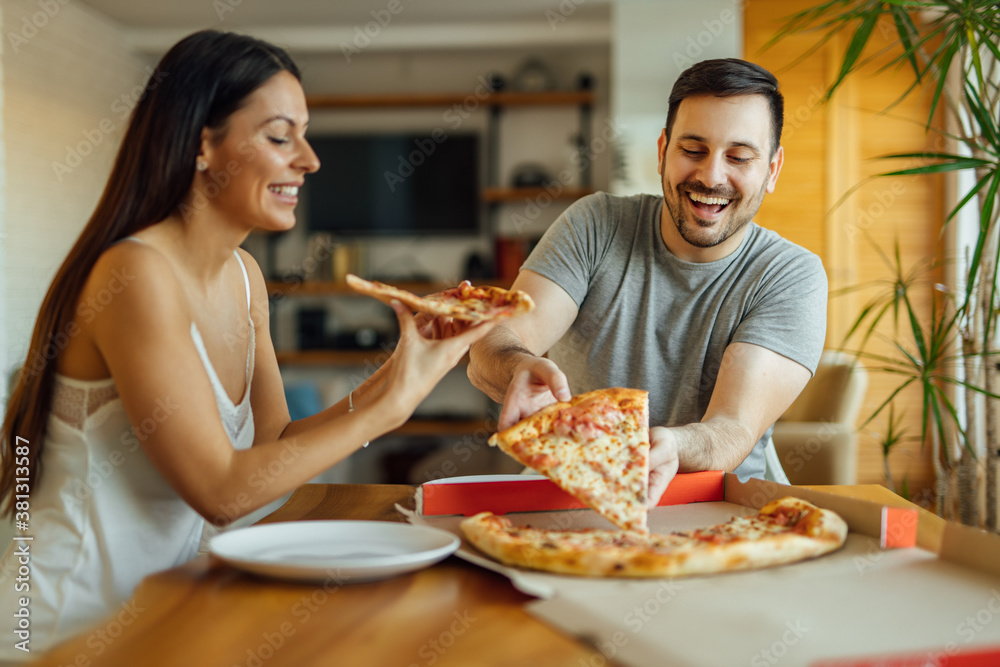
(200, 165)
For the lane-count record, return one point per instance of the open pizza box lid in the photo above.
(906, 589)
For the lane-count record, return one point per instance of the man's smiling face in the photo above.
(716, 168)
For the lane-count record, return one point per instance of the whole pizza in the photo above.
(784, 531)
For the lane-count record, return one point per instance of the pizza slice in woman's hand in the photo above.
(466, 302)
(595, 447)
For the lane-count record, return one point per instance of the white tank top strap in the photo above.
(246, 277)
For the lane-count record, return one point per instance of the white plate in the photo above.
(335, 551)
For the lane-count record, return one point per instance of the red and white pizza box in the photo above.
(505, 494)
(935, 603)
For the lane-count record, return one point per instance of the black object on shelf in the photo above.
(496, 81)
(531, 175)
(477, 268)
(363, 339)
(312, 328)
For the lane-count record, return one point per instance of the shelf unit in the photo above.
(495, 102)
(492, 194)
(499, 99)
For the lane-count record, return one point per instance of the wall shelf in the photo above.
(423, 426)
(501, 195)
(504, 99)
(331, 357)
(345, 358)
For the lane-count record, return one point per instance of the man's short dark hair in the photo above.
(726, 77)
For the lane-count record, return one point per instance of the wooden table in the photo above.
(452, 614)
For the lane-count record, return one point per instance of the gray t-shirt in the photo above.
(649, 320)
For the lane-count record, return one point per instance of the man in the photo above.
(722, 321)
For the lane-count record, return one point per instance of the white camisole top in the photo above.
(102, 517)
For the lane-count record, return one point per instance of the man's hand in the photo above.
(663, 463)
(537, 382)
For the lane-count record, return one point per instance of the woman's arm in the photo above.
(270, 409)
(144, 337)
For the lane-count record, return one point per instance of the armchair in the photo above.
(815, 438)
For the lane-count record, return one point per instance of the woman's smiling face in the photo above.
(256, 164)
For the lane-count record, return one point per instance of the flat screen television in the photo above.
(394, 185)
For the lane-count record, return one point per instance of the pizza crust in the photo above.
(754, 543)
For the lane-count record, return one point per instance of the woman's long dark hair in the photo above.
(199, 83)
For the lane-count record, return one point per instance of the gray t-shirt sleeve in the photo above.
(574, 245)
(789, 312)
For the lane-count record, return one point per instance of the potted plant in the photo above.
(951, 49)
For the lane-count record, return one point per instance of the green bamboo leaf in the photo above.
(887, 401)
(914, 361)
(916, 330)
(972, 193)
(968, 385)
(963, 435)
(909, 54)
(983, 117)
(936, 416)
(858, 42)
(985, 221)
(801, 21)
(899, 17)
(934, 155)
(874, 324)
(942, 167)
(977, 62)
(989, 35)
(850, 191)
(868, 307)
(943, 66)
(925, 419)
(942, 396)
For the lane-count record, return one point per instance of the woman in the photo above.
(151, 398)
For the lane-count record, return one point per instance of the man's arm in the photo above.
(506, 365)
(754, 387)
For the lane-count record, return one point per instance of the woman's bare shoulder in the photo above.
(133, 279)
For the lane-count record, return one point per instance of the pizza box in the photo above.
(906, 589)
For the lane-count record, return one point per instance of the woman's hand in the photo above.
(427, 349)
(437, 327)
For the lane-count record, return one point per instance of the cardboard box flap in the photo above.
(893, 529)
(973, 548)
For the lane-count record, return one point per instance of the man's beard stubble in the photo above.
(737, 219)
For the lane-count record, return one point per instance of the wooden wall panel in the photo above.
(829, 148)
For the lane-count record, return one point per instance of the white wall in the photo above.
(652, 42)
(68, 81)
(3, 237)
